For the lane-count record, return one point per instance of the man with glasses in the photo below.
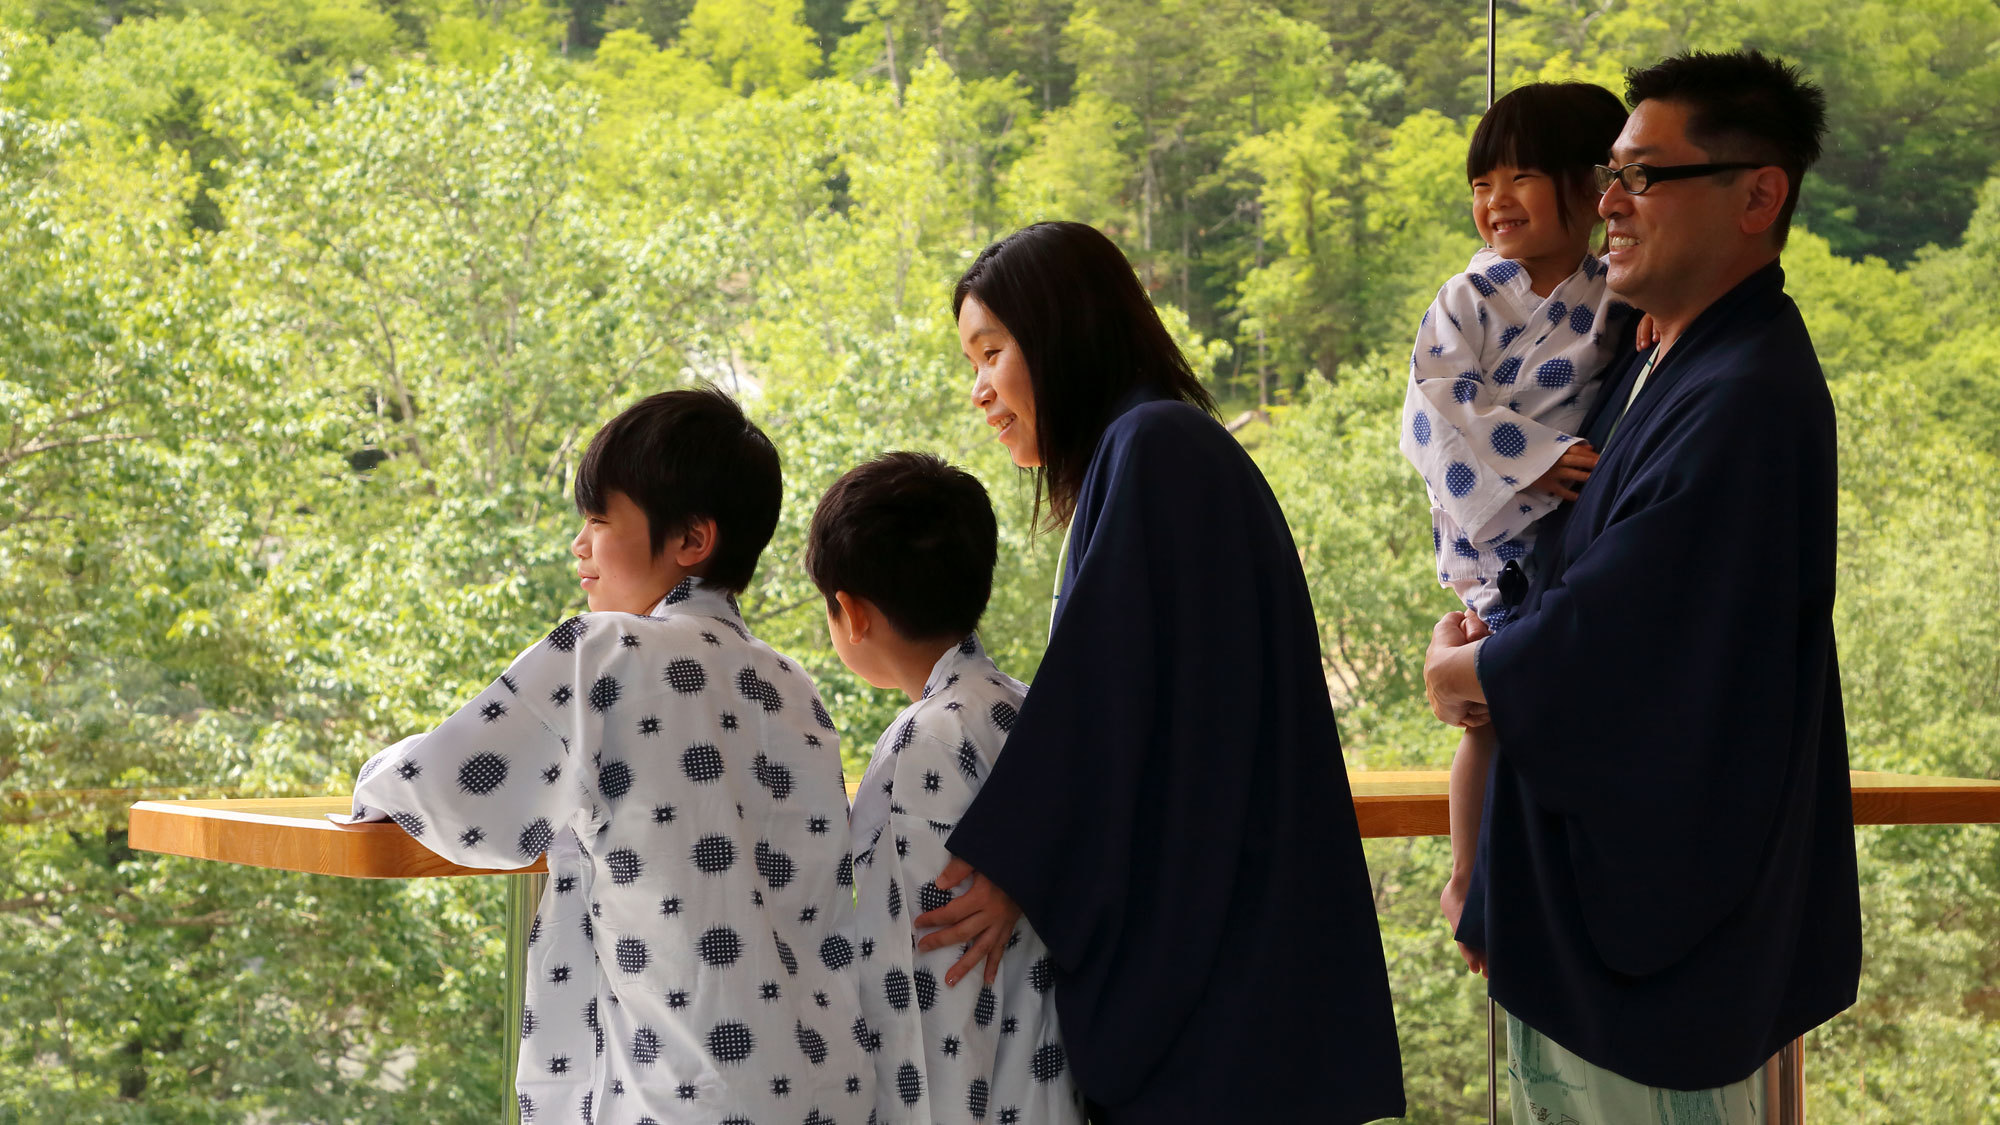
(1666, 887)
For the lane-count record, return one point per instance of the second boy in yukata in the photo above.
(692, 959)
(903, 548)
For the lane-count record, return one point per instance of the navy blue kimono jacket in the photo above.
(1172, 812)
(1666, 884)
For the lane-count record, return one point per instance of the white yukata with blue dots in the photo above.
(692, 958)
(964, 1054)
(1498, 380)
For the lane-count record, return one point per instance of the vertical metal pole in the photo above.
(524, 897)
(1492, 1069)
(1492, 1009)
(1785, 1085)
(1490, 22)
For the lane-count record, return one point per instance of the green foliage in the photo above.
(753, 45)
(306, 310)
(658, 20)
(1353, 205)
(321, 42)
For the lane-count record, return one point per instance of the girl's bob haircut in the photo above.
(1561, 129)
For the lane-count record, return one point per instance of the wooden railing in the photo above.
(294, 834)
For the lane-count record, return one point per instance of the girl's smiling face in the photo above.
(1520, 216)
(1000, 383)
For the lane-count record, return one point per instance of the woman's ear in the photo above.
(695, 544)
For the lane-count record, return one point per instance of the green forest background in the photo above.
(306, 307)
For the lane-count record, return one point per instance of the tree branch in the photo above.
(11, 456)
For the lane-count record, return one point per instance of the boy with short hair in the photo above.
(902, 548)
(691, 959)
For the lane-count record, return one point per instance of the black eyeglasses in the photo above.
(1637, 178)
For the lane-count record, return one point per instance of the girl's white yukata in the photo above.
(966, 1053)
(1498, 380)
(692, 959)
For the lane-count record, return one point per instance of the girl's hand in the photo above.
(1569, 472)
(982, 919)
(1649, 332)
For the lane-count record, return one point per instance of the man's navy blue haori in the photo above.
(1669, 825)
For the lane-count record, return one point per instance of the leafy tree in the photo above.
(321, 43)
(1438, 49)
(753, 45)
(638, 85)
(659, 20)
(1018, 37)
(1353, 206)
(479, 36)
(153, 79)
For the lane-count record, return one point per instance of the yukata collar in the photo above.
(1508, 274)
(956, 661)
(699, 596)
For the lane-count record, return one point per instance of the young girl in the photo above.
(1506, 365)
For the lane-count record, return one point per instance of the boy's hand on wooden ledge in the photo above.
(982, 919)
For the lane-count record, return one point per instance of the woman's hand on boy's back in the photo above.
(1569, 472)
(982, 919)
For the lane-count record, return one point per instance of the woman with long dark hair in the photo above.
(1171, 811)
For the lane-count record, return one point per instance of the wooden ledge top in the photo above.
(293, 834)
(290, 834)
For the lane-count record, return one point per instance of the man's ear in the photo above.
(857, 616)
(1768, 188)
(695, 545)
